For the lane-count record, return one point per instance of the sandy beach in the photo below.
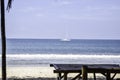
(30, 71)
(37, 72)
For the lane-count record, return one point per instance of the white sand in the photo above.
(30, 72)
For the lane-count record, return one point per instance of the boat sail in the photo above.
(65, 39)
(66, 36)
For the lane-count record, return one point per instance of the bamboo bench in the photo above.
(83, 69)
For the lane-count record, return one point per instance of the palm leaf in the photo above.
(9, 5)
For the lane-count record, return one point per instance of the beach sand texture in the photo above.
(33, 71)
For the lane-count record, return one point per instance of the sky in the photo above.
(57, 19)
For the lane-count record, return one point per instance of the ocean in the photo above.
(34, 52)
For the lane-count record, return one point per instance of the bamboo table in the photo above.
(83, 69)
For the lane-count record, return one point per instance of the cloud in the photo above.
(91, 8)
(29, 9)
(39, 15)
(87, 17)
(115, 8)
(65, 2)
(62, 3)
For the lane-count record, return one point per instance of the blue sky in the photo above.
(56, 19)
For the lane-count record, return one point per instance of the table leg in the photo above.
(113, 76)
(84, 73)
(65, 76)
(78, 76)
(94, 76)
(108, 76)
(59, 76)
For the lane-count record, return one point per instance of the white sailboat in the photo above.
(66, 37)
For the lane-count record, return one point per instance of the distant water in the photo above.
(46, 51)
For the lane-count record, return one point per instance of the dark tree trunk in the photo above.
(3, 38)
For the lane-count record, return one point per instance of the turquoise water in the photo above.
(46, 51)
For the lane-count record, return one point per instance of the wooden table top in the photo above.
(77, 67)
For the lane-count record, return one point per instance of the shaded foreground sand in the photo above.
(37, 73)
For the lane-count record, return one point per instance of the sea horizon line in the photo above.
(61, 38)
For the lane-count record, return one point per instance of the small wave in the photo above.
(38, 59)
(58, 56)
